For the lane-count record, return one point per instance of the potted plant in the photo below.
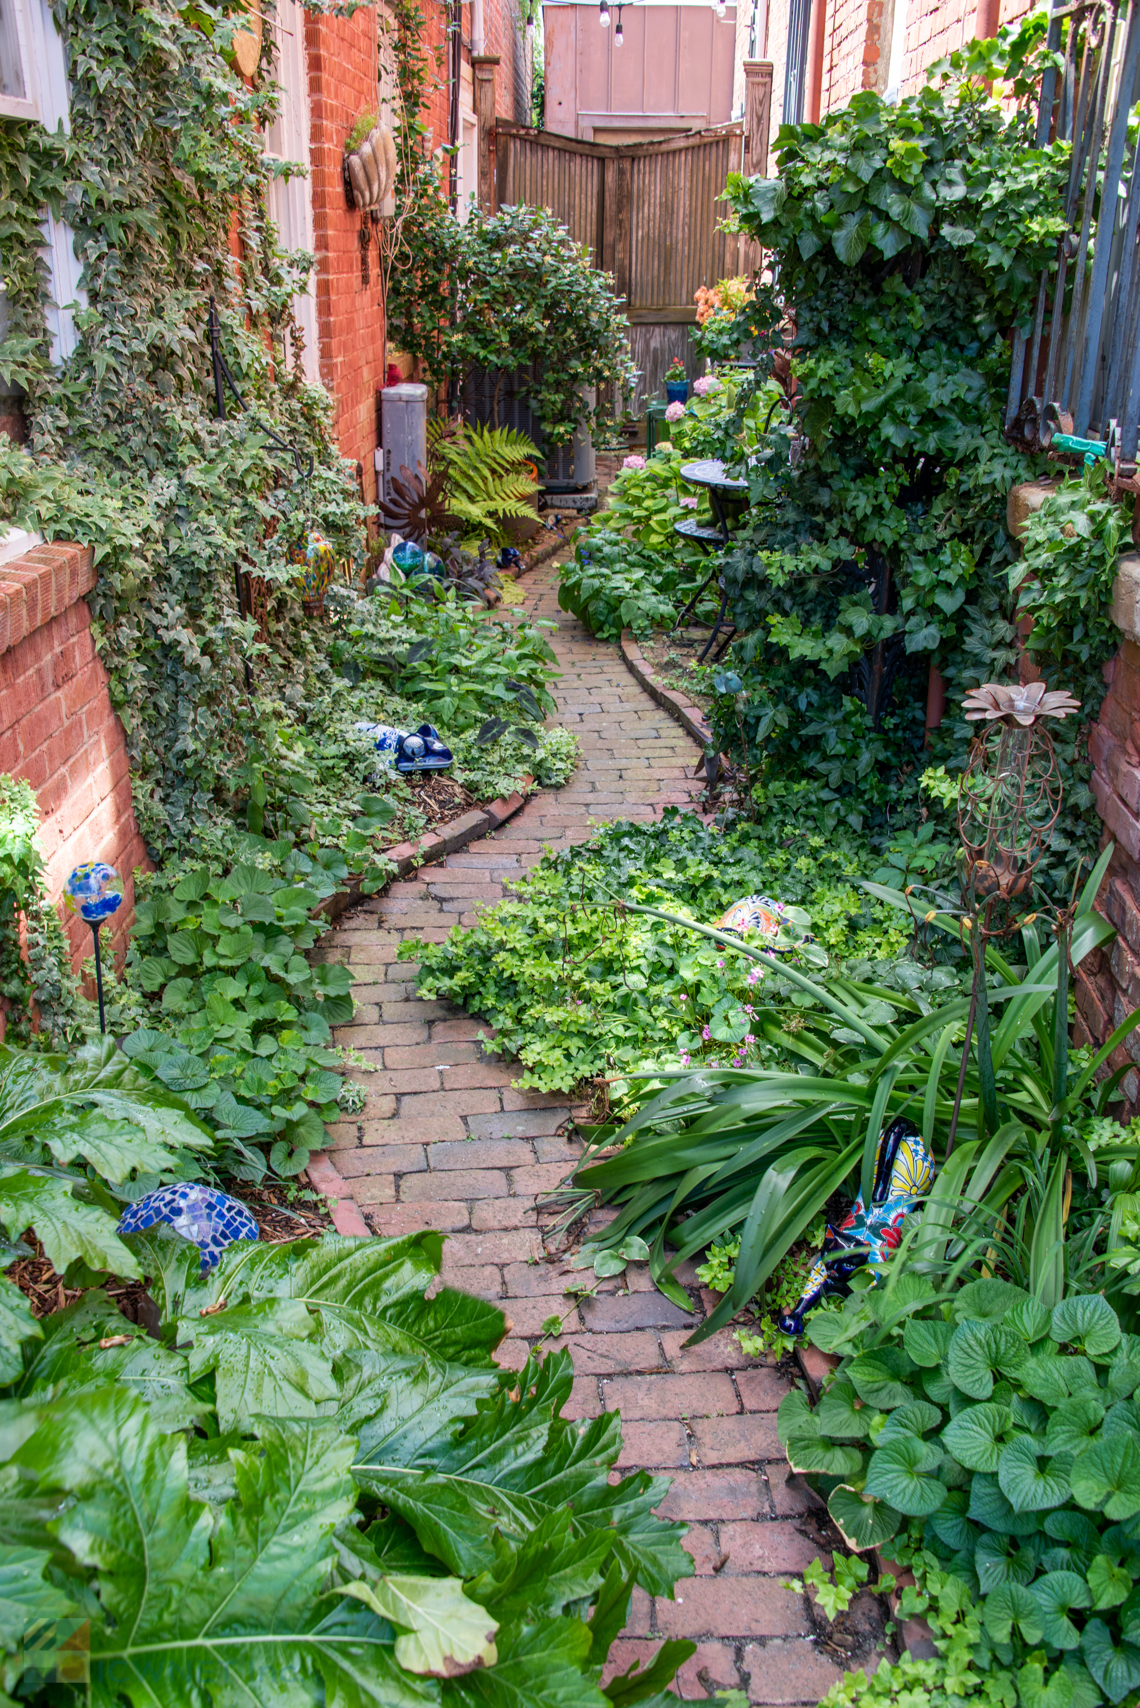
(676, 383)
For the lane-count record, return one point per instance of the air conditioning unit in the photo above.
(403, 429)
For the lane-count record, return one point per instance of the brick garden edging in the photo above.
(690, 717)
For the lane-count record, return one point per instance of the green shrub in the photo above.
(612, 584)
(314, 1486)
(576, 987)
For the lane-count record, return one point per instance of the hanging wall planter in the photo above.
(369, 165)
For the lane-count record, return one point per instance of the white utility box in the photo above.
(403, 428)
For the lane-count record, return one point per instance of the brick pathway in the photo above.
(444, 1142)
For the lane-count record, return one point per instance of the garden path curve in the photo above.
(444, 1142)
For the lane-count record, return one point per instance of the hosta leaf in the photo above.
(66, 1228)
(1024, 1484)
(1110, 1584)
(840, 1413)
(862, 1520)
(878, 1378)
(809, 1453)
(989, 1507)
(989, 1300)
(1107, 1477)
(1009, 1605)
(1116, 1668)
(975, 1436)
(1073, 1425)
(1086, 1320)
(1046, 1377)
(444, 1634)
(899, 1473)
(1057, 1593)
(926, 1343)
(794, 1416)
(917, 1417)
(1074, 1527)
(1004, 1559)
(977, 1350)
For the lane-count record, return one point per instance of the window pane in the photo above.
(11, 70)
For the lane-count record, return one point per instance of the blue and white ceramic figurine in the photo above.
(210, 1220)
(94, 891)
(409, 750)
(904, 1173)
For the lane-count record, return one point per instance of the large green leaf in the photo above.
(1057, 1593)
(1115, 1667)
(978, 1350)
(1009, 1605)
(1026, 1486)
(26, 1594)
(443, 1633)
(639, 1682)
(900, 1473)
(976, 1436)
(1074, 1424)
(1107, 1477)
(862, 1520)
(17, 1324)
(879, 1378)
(1088, 1321)
(66, 1228)
(262, 1360)
(42, 1095)
(540, 1666)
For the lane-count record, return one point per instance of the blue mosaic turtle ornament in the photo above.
(904, 1173)
(210, 1220)
(409, 750)
(94, 891)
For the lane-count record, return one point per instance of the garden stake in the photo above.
(95, 923)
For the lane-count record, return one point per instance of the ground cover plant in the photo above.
(612, 584)
(762, 1147)
(314, 1478)
(578, 987)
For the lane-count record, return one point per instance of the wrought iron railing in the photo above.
(1077, 371)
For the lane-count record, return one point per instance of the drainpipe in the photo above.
(478, 39)
(816, 30)
(988, 21)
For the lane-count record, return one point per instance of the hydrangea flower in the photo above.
(674, 412)
(634, 463)
(689, 503)
(704, 386)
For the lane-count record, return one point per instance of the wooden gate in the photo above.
(648, 213)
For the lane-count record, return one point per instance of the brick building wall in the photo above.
(58, 730)
(1108, 981)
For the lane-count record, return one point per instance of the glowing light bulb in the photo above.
(720, 8)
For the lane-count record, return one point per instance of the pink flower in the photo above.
(634, 463)
(749, 1038)
(684, 997)
(704, 386)
(753, 976)
(720, 963)
(674, 412)
(748, 1008)
(689, 503)
(705, 1034)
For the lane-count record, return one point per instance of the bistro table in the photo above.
(729, 499)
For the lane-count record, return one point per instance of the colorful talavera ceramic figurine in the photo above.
(409, 750)
(904, 1173)
(752, 913)
(314, 557)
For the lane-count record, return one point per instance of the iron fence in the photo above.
(1077, 371)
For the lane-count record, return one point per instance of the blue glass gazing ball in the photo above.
(94, 891)
(408, 558)
(210, 1220)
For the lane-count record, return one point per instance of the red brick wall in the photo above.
(58, 730)
(342, 62)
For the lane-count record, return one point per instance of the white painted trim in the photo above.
(16, 542)
(290, 199)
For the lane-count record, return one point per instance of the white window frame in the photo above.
(28, 106)
(290, 200)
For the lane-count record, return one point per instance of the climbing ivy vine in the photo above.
(163, 183)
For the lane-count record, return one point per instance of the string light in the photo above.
(720, 8)
(604, 15)
(619, 35)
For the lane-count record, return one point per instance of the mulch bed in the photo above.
(276, 1221)
(440, 799)
(669, 657)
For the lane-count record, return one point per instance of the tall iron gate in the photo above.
(1078, 369)
(648, 213)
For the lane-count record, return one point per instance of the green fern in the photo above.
(488, 478)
